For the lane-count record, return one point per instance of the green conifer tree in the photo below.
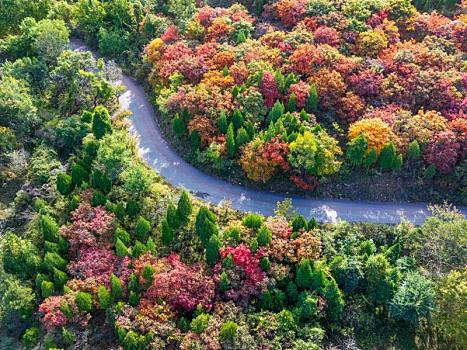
(292, 104)
(116, 287)
(212, 250)
(64, 184)
(304, 276)
(264, 236)
(205, 224)
(195, 139)
(222, 122)
(413, 152)
(101, 124)
(230, 141)
(184, 207)
(370, 159)
(121, 249)
(241, 37)
(104, 297)
(312, 100)
(237, 120)
(299, 222)
(79, 174)
(356, 150)
(387, 159)
(172, 216)
(167, 234)
(242, 137)
(178, 126)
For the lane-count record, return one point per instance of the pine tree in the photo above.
(172, 216)
(186, 117)
(304, 275)
(265, 263)
(205, 224)
(356, 150)
(64, 184)
(250, 129)
(121, 249)
(195, 139)
(49, 228)
(312, 100)
(387, 158)
(178, 126)
(79, 174)
(235, 91)
(148, 274)
(133, 284)
(298, 222)
(242, 137)
(101, 124)
(184, 207)
(104, 297)
(224, 282)
(289, 80)
(230, 141)
(100, 181)
(167, 234)
(398, 162)
(116, 287)
(237, 120)
(222, 122)
(47, 289)
(312, 224)
(276, 111)
(370, 159)
(413, 152)
(142, 228)
(60, 277)
(83, 301)
(138, 250)
(151, 246)
(430, 171)
(292, 104)
(264, 236)
(241, 37)
(212, 250)
(123, 235)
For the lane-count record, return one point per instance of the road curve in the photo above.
(161, 157)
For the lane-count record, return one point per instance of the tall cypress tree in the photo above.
(230, 141)
(184, 207)
(205, 224)
(312, 100)
(222, 123)
(292, 104)
(388, 158)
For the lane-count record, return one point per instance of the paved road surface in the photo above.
(158, 153)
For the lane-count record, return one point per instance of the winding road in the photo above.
(161, 157)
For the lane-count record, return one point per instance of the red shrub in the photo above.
(246, 279)
(276, 151)
(305, 183)
(301, 91)
(90, 227)
(326, 35)
(304, 58)
(443, 151)
(170, 34)
(52, 315)
(269, 89)
(183, 287)
(290, 12)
